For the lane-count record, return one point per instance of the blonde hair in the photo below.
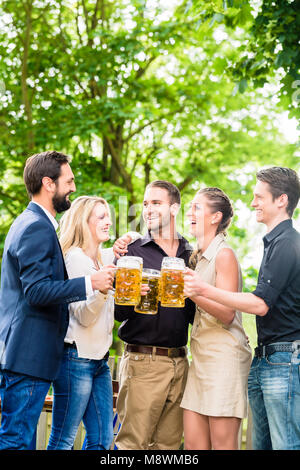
(73, 226)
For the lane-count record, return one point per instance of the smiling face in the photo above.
(64, 186)
(99, 223)
(199, 216)
(266, 208)
(157, 209)
(202, 219)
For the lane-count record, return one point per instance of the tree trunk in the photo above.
(24, 75)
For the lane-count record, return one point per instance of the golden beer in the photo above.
(149, 303)
(128, 280)
(172, 283)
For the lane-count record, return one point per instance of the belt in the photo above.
(70, 345)
(262, 351)
(169, 352)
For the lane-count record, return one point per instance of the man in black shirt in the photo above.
(154, 364)
(274, 387)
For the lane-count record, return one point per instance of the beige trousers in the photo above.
(148, 405)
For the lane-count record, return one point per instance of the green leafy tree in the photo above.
(136, 90)
(267, 34)
(133, 91)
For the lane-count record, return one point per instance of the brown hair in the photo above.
(173, 191)
(40, 165)
(218, 201)
(282, 181)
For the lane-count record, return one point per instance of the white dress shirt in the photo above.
(88, 282)
(91, 320)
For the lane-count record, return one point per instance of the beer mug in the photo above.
(171, 292)
(128, 280)
(149, 303)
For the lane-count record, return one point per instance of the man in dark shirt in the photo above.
(274, 387)
(154, 364)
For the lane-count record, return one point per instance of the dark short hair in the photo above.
(282, 181)
(173, 191)
(40, 165)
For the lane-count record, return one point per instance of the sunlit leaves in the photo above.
(136, 90)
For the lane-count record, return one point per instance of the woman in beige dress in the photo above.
(215, 398)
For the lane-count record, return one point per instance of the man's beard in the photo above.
(60, 202)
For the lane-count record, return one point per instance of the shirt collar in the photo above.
(146, 239)
(49, 215)
(210, 251)
(183, 243)
(278, 230)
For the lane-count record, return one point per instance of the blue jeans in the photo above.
(274, 397)
(83, 391)
(22, 400)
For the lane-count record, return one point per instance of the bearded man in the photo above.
(34, 296)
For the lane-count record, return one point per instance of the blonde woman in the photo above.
(83, 390)
(215, 397)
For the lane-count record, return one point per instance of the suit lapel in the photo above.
(35, 208)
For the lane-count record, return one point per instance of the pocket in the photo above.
(138, 364)
(73, 356)
(279, 359)
(9, 378)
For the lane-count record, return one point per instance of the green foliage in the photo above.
(136, 90)
(268, 49)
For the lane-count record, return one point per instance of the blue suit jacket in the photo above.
(35, 291)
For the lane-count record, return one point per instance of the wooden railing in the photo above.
(44, 424)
